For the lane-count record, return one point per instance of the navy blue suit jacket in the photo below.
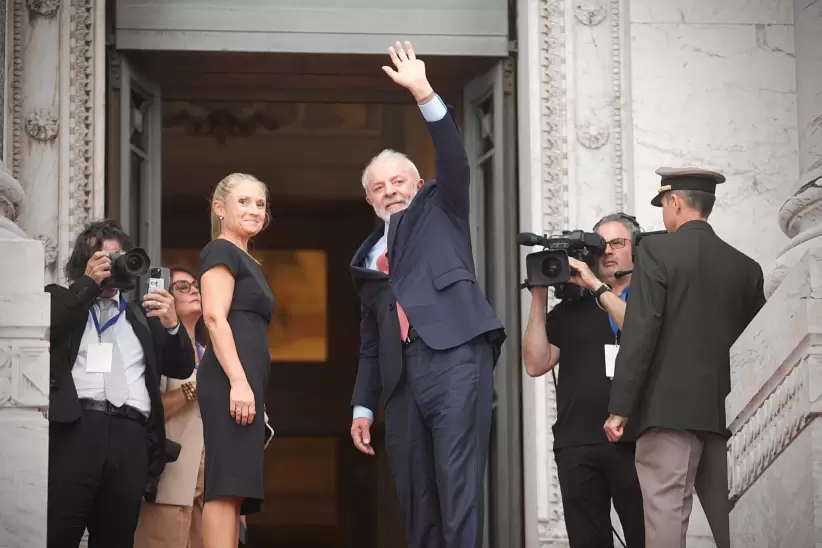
(431, 274)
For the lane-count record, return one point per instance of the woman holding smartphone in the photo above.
(231, 380)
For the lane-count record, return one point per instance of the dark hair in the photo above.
(90, 240)
(703, 202)
(200, 330)
(178, 268)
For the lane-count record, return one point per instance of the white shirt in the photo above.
(433, 111)
(90, 385)
(377, 250)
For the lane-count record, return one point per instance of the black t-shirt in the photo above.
(581, 329)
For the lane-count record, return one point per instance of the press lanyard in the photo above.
(199, 350)
(110, 322)
(623, 295)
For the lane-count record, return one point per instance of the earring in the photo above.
(221, 218)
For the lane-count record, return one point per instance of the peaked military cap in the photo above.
(686, 178)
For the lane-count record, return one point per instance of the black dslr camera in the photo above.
(171, 454)
(550, 267)
(126, 268)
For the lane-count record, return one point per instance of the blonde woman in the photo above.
(174, 519)
(237, 307)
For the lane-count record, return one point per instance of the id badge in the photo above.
(98, 357)
(611, 351)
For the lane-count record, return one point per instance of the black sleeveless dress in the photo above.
(233, 452)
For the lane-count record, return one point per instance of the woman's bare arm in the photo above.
(174, 401)
(216, 290)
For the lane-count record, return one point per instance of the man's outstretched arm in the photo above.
(452, 171)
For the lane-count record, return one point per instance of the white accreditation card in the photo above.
(98, 358)
(611, 351)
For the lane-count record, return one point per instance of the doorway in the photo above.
(306, 125)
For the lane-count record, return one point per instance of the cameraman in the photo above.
(105, 412)
(591, 470)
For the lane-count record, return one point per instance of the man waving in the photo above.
(429, 338)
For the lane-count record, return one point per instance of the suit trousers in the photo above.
(590, 476)
(170, 525)
(670, 464)
(98, 469)
(438, 426)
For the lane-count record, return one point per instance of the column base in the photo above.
(23, 478)
(24, 391)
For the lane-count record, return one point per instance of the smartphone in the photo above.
(159, 277)
(269, 435)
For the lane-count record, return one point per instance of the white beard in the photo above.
(383, 214)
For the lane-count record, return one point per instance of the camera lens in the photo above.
(136, 263)
(552, 267)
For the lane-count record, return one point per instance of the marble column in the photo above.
(34, 82)
(801, 215)
(24, 377)
(775, 404)
(56, 118)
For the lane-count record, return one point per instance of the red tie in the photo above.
(382, 266)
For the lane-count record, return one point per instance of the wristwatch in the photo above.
(602, 289)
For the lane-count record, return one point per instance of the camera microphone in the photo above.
(530, 239)
(621, 273)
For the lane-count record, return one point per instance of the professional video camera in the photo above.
(550, 267)
(126, 268)
(171, 454)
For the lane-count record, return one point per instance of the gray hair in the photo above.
(386, 155)
(624, 219)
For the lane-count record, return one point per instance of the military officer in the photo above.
(691, 297)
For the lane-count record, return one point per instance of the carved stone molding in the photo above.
(43, 8)
(551, 525)
(42, 125)
(800, 218)
(50, 249)
(24, 373)
(593, 135)
(12, 197)
(616, 102)
(16, 86)
(771, 428)
(81, 119)
(554, 140)
(590, 16)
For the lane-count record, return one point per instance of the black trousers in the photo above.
(589, 477)
(438, 426)
(98, 467)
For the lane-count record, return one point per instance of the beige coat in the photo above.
(179, 479)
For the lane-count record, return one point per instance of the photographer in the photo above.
(106, 434)
(582, 333)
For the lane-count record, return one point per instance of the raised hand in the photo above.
(409, 72)
(98, 267)
(160, 304)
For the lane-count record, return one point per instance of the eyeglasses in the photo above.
(184, 287)
(617, 243)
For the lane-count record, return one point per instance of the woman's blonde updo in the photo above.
(223, 189)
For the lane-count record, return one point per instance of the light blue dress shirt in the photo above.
(433, 111)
